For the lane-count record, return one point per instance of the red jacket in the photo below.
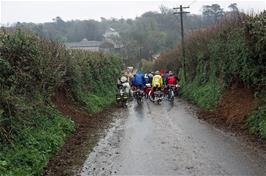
(171, 80)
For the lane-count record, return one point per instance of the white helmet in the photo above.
(123, 79)
(170, 73)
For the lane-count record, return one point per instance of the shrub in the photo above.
(257, 122)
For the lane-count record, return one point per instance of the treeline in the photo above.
(141, 37)
(217, 57)
(32, 68)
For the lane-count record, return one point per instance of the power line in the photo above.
(181, 12)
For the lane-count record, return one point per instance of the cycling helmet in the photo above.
(123, 79)
(170, 73)
(157, 73)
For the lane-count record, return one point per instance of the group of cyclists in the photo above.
(148, 82)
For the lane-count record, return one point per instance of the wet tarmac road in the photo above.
(169, 140)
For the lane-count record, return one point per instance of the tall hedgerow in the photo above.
(31, 129)
(92, 78)
(31, 69)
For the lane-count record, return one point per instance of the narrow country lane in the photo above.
(168, 139)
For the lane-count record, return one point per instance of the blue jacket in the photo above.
(138, 80)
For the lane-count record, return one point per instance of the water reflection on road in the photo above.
(167, 139)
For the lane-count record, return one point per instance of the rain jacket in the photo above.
(157, 81)
(139, 80)
(171, 80)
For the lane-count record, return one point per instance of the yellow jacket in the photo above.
(157, 81)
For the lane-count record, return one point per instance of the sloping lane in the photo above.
(167, 139)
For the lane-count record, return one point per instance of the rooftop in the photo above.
(83, 43)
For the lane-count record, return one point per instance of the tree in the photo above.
(213, 12)
(234, 13)
(165, 10)
(233, 7)
(142, 37)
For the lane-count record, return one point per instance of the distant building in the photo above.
(85, 44)
(111, 42)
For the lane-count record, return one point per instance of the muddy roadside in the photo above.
(231, 114)
(88, 130)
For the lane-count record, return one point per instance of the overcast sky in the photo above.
(44, 11)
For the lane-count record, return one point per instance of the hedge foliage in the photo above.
(31, 69)
(92, 78)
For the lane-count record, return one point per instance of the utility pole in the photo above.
(181, 12)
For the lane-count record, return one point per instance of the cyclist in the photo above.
(171, 79)
(139, 80)
(157, 81)
(123, 81)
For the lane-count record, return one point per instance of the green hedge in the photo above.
(31, 129)
(31, 69)
(92, 78)
(205, 96)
